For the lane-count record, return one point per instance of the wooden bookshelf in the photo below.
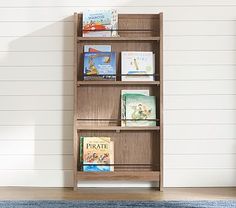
(138, 151)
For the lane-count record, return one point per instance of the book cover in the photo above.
(98, 151)
(137, 63)
(81, 141)
(100, 23)
(99, 66)
(140, 109)
(129, 92)
(97, 48)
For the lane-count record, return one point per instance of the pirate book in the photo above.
(98, 154)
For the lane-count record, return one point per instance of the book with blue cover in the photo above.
(140, 110)
(99, 66)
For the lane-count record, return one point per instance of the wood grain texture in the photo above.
(131, 147)
(81, 83)
(19, 193)
(135, 151)
(117, 128)
(160, 66)
(117, 47)
(118, 38)
(75, 137)
(97, 108)
(127, 175)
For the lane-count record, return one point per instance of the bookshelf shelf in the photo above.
(138, 151)
(118, 39)
(119, 175)
(79, 83)
(117, 128)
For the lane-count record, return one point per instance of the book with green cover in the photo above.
(140, 110)
(81, 140)
(123, 95)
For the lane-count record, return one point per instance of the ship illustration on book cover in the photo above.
(99, 66)
(98, 153)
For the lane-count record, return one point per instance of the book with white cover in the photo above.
(134, 64)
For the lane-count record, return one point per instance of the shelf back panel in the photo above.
(104, 102)
(118, 47)
(138, 149)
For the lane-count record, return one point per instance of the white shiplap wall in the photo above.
(36, 89)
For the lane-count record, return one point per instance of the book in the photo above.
(123, 104)
(137, 63)
(97, 48)
(81, 142)
(140, 110)
(100, 23)
(99, 66)
(98, 153)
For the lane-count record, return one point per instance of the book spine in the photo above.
(81, 142)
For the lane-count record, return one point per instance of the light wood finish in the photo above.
(122, 175)
(134, 148)
(161, 100)
(75, 136)
(118, 38)
(137, 150)
(118, 128)
(79, 83)
(117, 47)
(23, 193)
